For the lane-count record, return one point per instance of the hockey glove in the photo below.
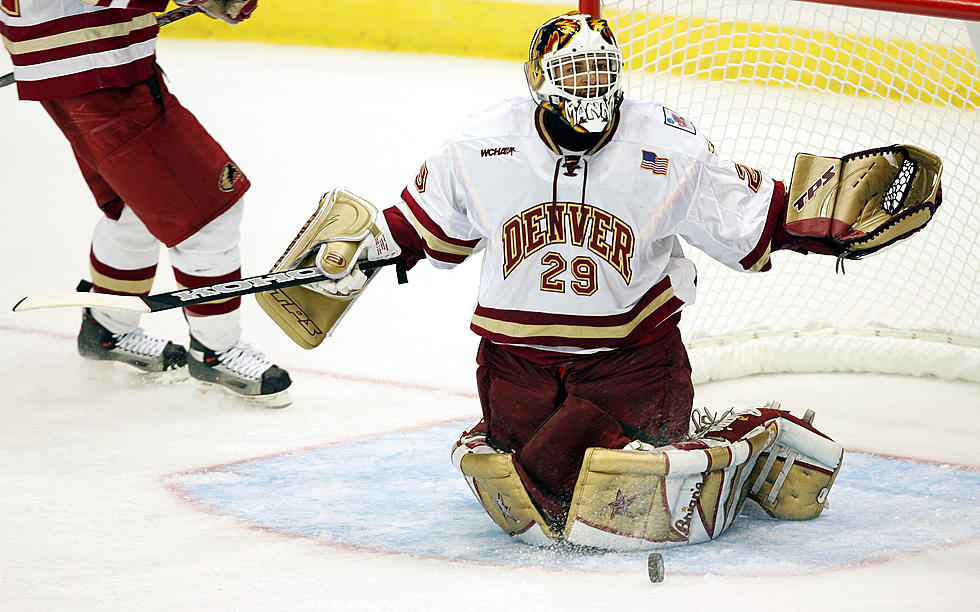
(858, 204)
(352, 283)
(354, 231)
(344, 229)
(230, 11)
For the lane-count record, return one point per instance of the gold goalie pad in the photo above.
(635, 500)
(860, 203)
(791, 480)
(496, 484)
(342, 220)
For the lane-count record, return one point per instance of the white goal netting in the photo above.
(767, 79)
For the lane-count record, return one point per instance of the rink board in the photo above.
(399, 493)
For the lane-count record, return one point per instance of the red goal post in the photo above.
(965, 10)
(767, 79)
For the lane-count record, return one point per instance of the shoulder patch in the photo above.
(674, 120)
(421, 177)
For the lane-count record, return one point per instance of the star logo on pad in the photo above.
(622, 505)
(504, 508)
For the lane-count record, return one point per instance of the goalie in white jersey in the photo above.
(579, 200)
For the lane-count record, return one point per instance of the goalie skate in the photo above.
(241, 371)
(133, 348)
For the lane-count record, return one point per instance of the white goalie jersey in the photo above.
(582, 249)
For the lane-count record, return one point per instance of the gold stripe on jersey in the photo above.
(758, 265)
(434, 242)
(523, 330)
(131, 287)
(75, 37)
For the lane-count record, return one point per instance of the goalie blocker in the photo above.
(344, 230)
(762, 460)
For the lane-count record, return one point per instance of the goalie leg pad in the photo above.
(493, 478)
(792, 479)
(793, 476)
(665, 496)
(341, 221)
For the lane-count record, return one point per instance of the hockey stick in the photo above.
(162, 20)
(197, 295)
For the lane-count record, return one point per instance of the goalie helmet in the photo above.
(575, 70)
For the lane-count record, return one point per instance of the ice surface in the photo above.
(119, 494)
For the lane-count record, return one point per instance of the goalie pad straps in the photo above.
(792, 479)
(861, 203)
(341, 222)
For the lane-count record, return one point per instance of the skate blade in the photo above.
(166, 377)
(273, 400)
(125, 375)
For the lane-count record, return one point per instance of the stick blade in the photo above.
(124, 303)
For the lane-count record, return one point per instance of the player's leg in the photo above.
(552, 457)
(517, 396)
(647, 389)
(611, 399)
(153, 154)
(218, 355)
(177, 179)
(528, 413)
(123, 261)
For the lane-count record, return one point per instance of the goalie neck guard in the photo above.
(575, 71)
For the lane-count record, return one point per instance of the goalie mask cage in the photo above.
(767, 79)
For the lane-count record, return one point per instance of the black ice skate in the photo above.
(242, 371)
(134, 348)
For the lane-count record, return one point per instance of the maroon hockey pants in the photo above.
(548, 415)
(140, 147)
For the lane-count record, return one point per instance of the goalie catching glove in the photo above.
(344, 230)
(858, 204)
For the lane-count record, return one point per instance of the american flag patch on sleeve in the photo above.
(650, 161)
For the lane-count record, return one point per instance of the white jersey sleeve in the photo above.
(433, 206)
(732, 211)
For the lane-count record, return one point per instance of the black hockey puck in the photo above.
(655, 567)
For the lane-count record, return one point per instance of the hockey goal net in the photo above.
(766, 79)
